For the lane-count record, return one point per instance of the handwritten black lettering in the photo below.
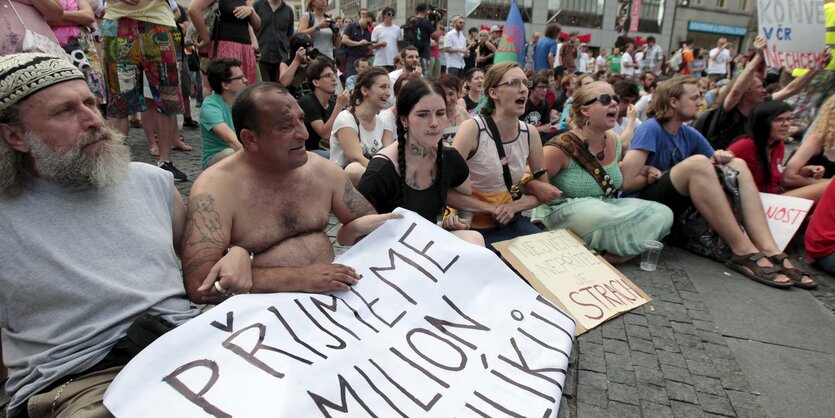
(379, 392)
(462, 361)
(332, 307)
(498, 406)
(409, 361)
(522, 365)
(391, 267)
(341, 343)
(441, 324)
(370, 306)
(424, 252)
(426, 406)
(228, 326)
(249, 356)
(197, 397)
(293, 334)
(325, 405)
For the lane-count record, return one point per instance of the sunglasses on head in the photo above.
(604, 99)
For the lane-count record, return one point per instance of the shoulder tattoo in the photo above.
(355, 201)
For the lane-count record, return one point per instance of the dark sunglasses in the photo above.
(390, 14)
(604, 99)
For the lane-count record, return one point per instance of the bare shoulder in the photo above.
(323, 171)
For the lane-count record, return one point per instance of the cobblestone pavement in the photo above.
(667, 358)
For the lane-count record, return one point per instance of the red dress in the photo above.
(820, 234)
(744, 148)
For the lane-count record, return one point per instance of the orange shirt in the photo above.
(686, 57)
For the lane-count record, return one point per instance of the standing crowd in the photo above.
(354, 117)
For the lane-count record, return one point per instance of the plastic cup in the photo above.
(651, 254)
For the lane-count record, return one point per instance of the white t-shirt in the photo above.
(621, 126)
(557, 55)
(600, 63)
(639, 59)
(643, 106)
(390, 35)
(718, 65)
(455, 39)
(370, 141)
(389, 122)
(626, 58)
(583, 62)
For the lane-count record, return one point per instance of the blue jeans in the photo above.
(827, 263)
(517, 227)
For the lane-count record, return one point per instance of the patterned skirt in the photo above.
(241, 52)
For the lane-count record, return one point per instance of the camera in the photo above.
(312, 53)
(435, 14)
(332, 25)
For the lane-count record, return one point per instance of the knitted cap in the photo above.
(22, 75)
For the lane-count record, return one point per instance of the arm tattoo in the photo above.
(355, 201)
(204, 232)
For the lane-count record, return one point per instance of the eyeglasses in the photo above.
(240, 77)
(515, 83)
(604, 99)
(390, 14)
(328, 75)
(542, 86)
(784, 120)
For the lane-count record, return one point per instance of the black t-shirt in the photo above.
(381, 184)
(536, 114)
(426, 29)
(559, 104)
(314, 111)
(730, 126)
(230, 28)
(470, 103)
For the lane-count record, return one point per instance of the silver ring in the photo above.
(219, 288)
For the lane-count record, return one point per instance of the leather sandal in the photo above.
(747, 265)
(795, 274)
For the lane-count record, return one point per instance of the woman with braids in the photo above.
(418, 172)
(814, 161)
(474, 84)
(583, 164)
(498, 147)
(358, 132)
(763, 149)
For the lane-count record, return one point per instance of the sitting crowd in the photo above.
(486, 157)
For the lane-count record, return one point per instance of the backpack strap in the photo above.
(578, 150)
(497, 139)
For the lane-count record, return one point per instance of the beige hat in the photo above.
(22, 75)
(495, 28)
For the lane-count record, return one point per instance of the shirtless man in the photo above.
(272, 200)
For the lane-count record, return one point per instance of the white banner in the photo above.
(794, 29)
(784, 214)
(435, 327)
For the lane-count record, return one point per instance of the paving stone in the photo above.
(658, 320)
(709, 385)
(595, 363)
(696, 305)
(662, 332)
(632, 319)
(746, 404)
(703, 325)
(623, 410)
(623, 393)
(614, 333)
(716, 350)
(649, 376)
(702, 368)
(687, 295)
(666, 344)
(565, 410)
(670, 296)
(642, 345)
(587, 347)
(716, 404)
(682, 392)
(615, 346)
(700, 315)
(691, 353)
(712, 337)
(591, 395)
(676, 374)
(620, 375)
(638, 331)
(590, 411)
(734, 381)
(594, 379)
(686, 410)
(643, 359)
(618, 360)
(654, 410)
(672, 359)
(684, 328)
(688, 340)
(595, 335)
(726, 364)
(654, 394)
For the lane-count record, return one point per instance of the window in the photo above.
(721, 4)
(499, 9)
(652, 16)
(298, 11)
(743, 5)
(350, 9)
(580, 13)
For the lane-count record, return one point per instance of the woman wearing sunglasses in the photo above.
(494, 137)
(583, 164)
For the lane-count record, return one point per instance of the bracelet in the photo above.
(251, 254)
(318, 28)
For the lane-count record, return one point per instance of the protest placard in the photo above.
(558, 265)
(435, 327)
(784, 214)
(794, 30)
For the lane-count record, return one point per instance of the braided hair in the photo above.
(409, 96)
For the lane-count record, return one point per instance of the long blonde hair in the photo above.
(825, 123)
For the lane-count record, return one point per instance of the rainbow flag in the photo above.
(512, 43)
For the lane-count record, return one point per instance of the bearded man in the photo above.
(90, 274)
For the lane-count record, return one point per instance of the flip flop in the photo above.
(747, 266)
(154, 152)
(795, 274)
(182, 146)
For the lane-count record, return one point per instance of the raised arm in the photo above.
(741, 85)
(800, 83)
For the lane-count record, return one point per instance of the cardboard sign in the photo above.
(435, 327)
(795, 31)
(784, 214)
(587, 287)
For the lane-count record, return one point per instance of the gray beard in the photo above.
(107, 166)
